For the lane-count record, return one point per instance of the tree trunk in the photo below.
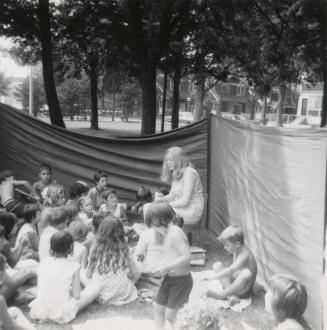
(264, 110)
(280, 108)
(163, 110)
(113, 106)
(47, 64)
(175, 111)
(94, 96)
(252, 110)
(148, 84)
(200, 81)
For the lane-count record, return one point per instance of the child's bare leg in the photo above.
(20, 320)
(218, 267)
(88, 295)
(159, 316)
(16, 281)
(171, 315)
(241, 285)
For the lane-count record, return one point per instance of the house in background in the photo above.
(310, 102)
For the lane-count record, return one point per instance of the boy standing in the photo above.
(237, 279)
(7, 194)
(174, 265)
(45, 176)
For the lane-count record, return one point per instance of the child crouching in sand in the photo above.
(174, 265)
(237, 279)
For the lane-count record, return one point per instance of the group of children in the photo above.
(81, 253)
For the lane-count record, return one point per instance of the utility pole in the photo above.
(30, 103)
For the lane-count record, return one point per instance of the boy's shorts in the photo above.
(14, 206)
(174, 291)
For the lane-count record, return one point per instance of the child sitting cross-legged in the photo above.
(238, 278)
(100, 180)
(286, 298)
(109, 263)
(111, 206)
(56, 219)
(58, 290)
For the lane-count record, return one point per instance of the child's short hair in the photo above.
(56, 216)
(77, 189)
(233, 234)
(71, 211)
(144, 194)
(44, 166)
(29, 215)
(7, 220)
(61, 244)
(288, 298)
(108, 192)
(2, 231)
(159, 214)
(6, 174)
(78, 230)
(98, 175)
(162, 190)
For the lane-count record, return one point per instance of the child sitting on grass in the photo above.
(237, 279)
(86, 213)
(109, 264)
(174, 265)
(100, 180)
(287, 299)
(77, 190)
(28, 233)
(55, 197)
(45, 176)
(58, 291)
(143, 196)
(8, 183)
(112, 207)
(56, 219)
(79, 232)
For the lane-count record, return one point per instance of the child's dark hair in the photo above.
(2, 231)
(57, 216)
(108, 192)
(29, 215)
(44, 166)
(98, 175)
(162, 190)
(288, 298)
(97, 220)
(144, 194)
(7, 220)
(6, 174)
(77, 189)
(78, 230)
(71, 212)
(61, 244)
(159, 214)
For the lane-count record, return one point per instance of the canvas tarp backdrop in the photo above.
(27, 142)
(272, 183)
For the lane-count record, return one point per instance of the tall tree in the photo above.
(28, 22)
(147, 27)
(4, 84)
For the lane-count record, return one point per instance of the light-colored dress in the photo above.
(117, 213)
(116, 288)
(44, 246)
(193, 211)
(53, 300)
(28, 250)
